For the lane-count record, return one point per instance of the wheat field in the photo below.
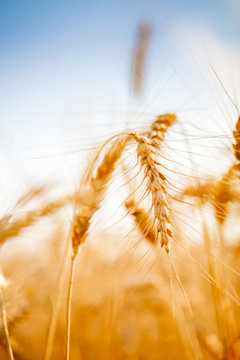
(139, 258)
(151, 292)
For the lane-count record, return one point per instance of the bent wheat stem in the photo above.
(93, 196)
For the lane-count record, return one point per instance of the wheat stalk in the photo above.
(93, 196)
(140, 57)
(4, 318)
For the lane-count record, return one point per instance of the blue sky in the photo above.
(60, 57)
(52, 43)
(61, 46)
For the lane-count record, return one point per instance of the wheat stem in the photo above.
(57, 303)
(5, 326)
(216, 293)
(69, 307)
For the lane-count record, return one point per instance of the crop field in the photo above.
(119, 222)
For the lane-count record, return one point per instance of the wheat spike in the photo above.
(11, 227)
(224, 192)
(146, 150)
(93, 195)
(159, 128)
(147, 147)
